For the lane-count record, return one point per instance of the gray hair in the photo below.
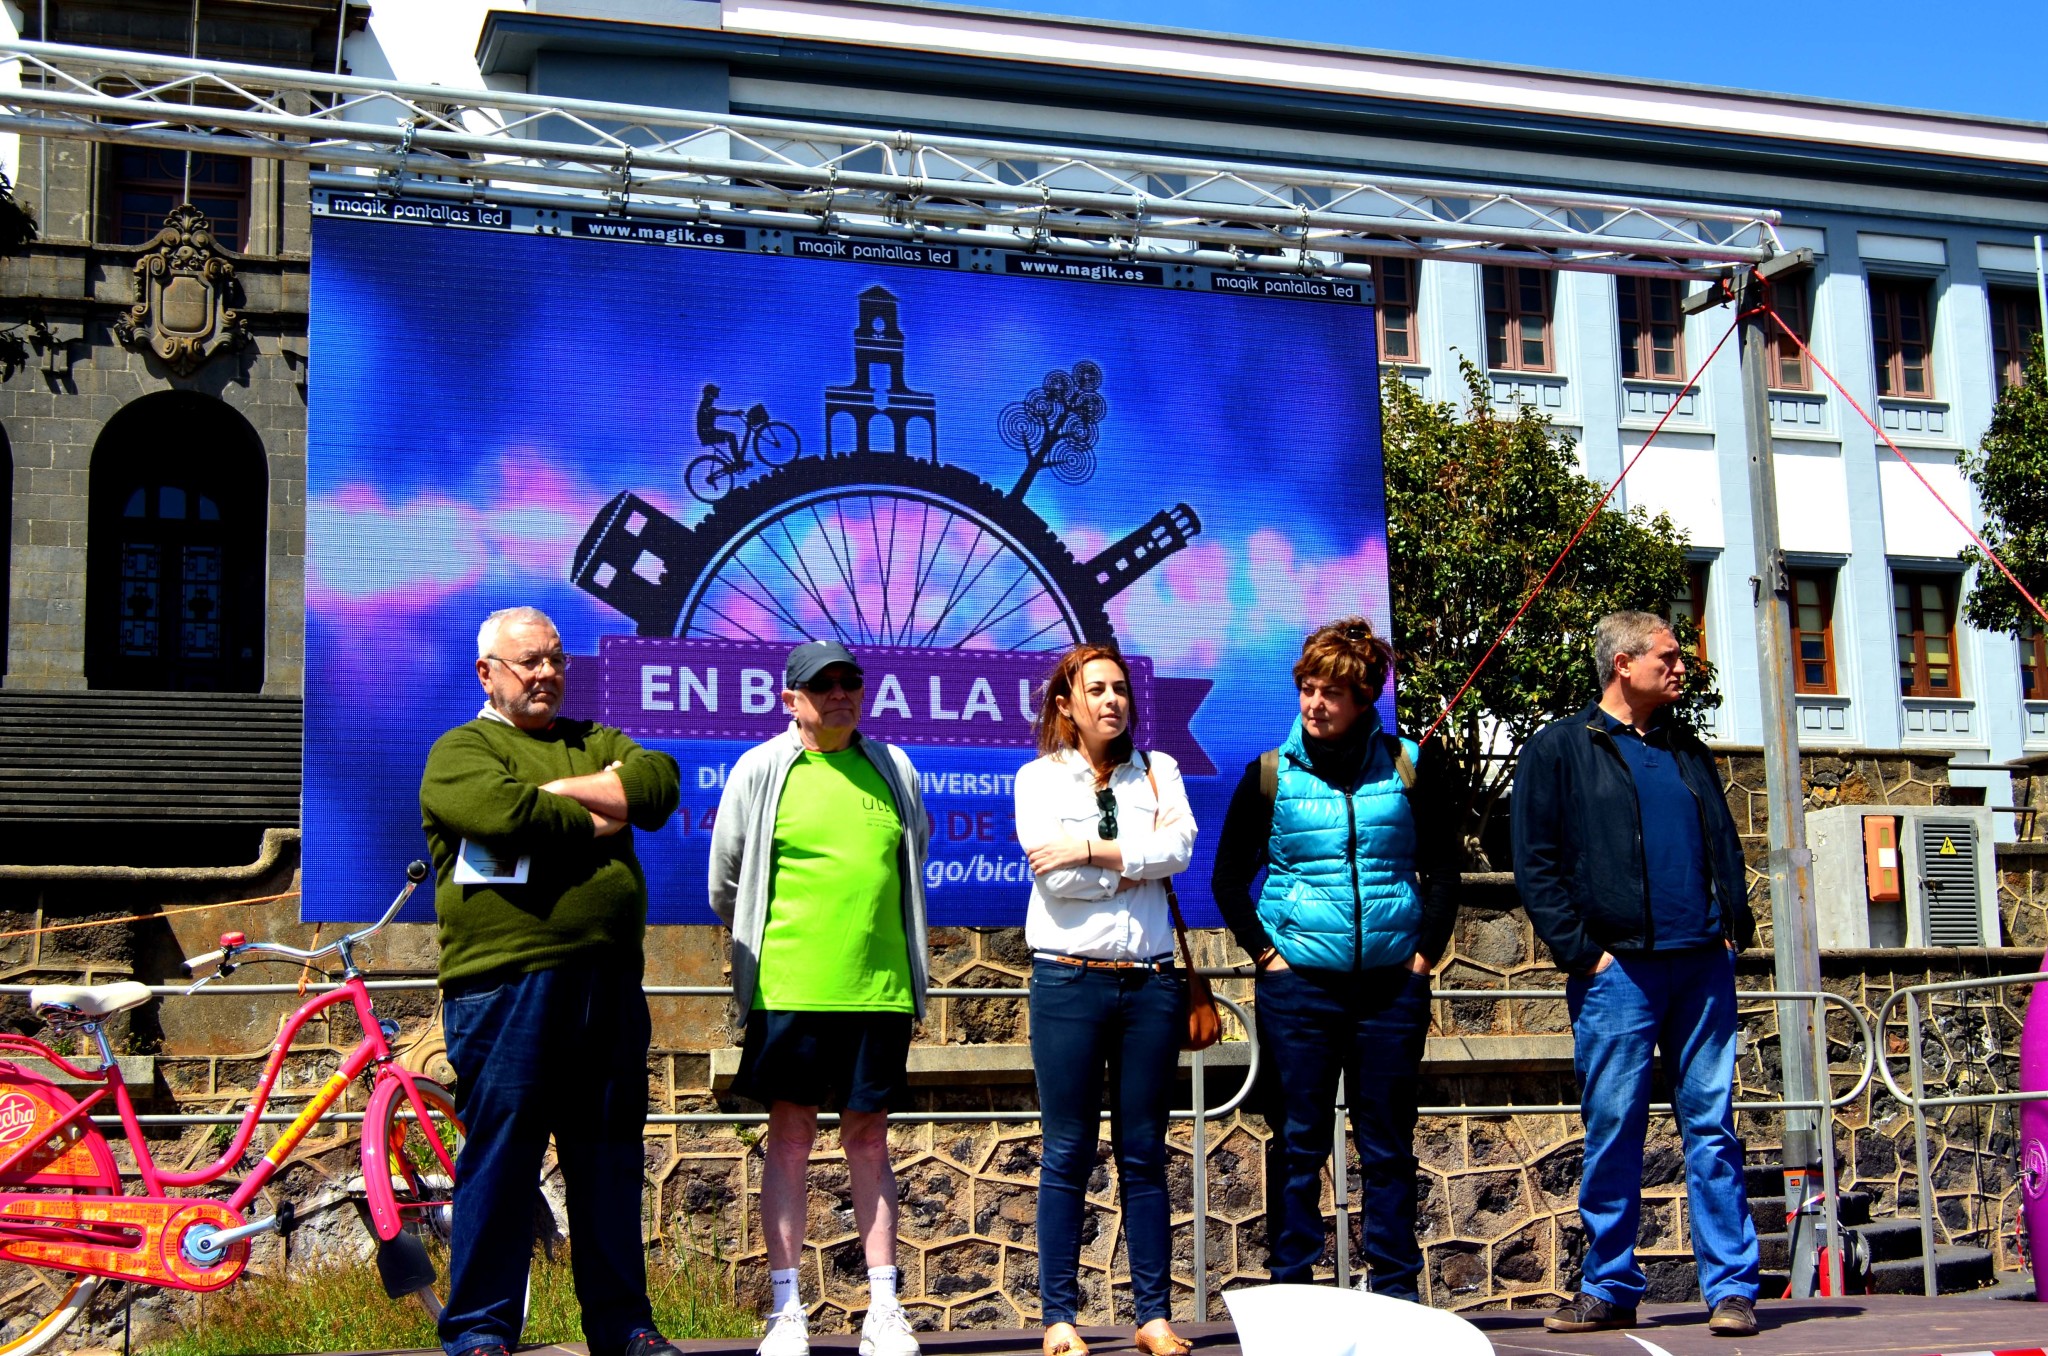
(1623, 633)
(487, 634)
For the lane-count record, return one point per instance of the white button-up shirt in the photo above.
(1077, 910)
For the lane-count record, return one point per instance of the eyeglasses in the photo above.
(823, 683)
(1105, 804)
(1357, 632)
(529, 666)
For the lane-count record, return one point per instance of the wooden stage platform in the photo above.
(1863, 1325)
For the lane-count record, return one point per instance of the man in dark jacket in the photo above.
(1631, 869)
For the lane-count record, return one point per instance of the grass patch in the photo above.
(344, 1308)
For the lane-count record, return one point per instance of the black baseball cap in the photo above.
(812, 658)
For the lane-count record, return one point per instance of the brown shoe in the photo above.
(1733, 1317)
(1587, 1313)
(1157, 1338)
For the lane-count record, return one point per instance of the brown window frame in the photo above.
(1889, 315)
(1823, 580)
(1917, 682)
(1397, 298)
(2012, 338)
(1791, 296)
(2034, 664)
(1637, 302)
(1692, 604)
(135, 175)
(1510, 281)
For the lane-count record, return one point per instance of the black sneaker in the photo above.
(1733, 1317)
(1586, 1313)
(488, 1349)
(648, 1342)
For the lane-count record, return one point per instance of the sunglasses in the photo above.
(1105, 804)
(820, 685)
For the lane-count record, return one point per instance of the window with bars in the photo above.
(1791, 297)
(2034, 664)
(1394, 285)
(1813, 631)
(1902, 336)
(1924, 606)
(2015, 328)
(1517, 318)
(1689, 604)
(1652, 328)
(147, 184)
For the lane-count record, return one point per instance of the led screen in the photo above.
(956, 461)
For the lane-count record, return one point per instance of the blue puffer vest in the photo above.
(1340, 890)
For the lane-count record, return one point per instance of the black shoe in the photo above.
(488, 1349)
(648, 1342)
(1733, 1317)
(1586, 1313)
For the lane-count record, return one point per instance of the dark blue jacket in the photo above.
(1579, 842)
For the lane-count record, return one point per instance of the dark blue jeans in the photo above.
(1682, 1002)
(559, 1052)
(1369, 1026)
(1130, 1021)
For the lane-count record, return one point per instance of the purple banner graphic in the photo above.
(658, 687)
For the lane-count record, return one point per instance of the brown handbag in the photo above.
(1205, 1023)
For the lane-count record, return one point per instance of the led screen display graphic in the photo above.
(694, 446)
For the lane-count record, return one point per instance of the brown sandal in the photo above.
(1062, 1340)
(1159, 1339)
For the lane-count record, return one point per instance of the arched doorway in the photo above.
(175, 549)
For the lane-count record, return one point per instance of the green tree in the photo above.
(2010, 471)
(1478, 505)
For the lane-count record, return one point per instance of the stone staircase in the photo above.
(1893, 1246)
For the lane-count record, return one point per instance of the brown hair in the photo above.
(1346, 651)
(1056, 731)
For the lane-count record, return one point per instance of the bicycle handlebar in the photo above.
(415, 872)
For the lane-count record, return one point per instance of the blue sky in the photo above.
(1984, 56)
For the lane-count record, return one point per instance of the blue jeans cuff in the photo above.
(470, 1341)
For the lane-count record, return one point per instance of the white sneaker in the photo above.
(788, 1335)
(886, 1332)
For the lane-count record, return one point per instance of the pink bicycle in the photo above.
(63, 1212)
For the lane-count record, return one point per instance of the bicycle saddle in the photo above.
(89, 1000)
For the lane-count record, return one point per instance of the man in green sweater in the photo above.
(542, 906)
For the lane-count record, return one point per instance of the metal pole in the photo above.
(1793, 939)
(1832, 1239)
(190, 96)
(1201, 1201)
(340, 33)
(1927, 1277)
(1340, 1193)
(43, 143)
(2040, 293)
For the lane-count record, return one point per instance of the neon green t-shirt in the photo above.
(834, 940)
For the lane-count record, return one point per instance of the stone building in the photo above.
(154, 430)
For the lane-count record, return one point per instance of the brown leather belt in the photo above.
(1090, 963)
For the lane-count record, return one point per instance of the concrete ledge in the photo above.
(137, 1071)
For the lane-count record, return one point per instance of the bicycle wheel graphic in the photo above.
(778, 444)
(883, 549)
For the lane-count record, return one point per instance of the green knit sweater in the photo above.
(583, 893)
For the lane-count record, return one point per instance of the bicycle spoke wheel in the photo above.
(42, 1304)
(708, 478)
(777, 444)
(418, 1160)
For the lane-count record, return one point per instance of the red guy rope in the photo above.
(1550, 573)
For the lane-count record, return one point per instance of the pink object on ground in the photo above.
(2034, 1134)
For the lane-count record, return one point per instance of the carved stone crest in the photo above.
(183, 284)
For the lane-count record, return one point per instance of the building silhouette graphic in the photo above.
(852, 410)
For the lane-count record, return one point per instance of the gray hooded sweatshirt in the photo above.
(743, 853)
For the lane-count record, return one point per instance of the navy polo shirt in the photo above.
(1682, 909)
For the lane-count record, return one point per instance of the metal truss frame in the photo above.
(491, 145)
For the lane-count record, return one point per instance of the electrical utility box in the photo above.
(1904, 876)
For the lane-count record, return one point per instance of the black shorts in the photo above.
(840, 1061)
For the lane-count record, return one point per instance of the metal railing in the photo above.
(1918, 1103)
(1199, 1112)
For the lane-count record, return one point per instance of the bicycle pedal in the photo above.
(404, 1267)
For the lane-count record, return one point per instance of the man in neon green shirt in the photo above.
(817, 865)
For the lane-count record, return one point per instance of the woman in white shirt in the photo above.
(1104, 825)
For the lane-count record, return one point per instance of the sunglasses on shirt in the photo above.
(823, 683)
(1105, 804)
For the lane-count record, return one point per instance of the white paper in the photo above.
(1321, 1320)
(476, 864)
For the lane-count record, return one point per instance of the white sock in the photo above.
(784, 1285)
(881, 1287)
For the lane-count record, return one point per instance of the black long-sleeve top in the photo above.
(1241, 852)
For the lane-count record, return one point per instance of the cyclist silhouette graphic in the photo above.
(766, 441)
(709, 434)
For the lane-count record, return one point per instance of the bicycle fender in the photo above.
(388, 1097)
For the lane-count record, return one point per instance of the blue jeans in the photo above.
(559, 1052)
(1682, 1002)
(1132, 1022)
(1369, 1026)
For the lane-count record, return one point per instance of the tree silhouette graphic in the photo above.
(1056, 426)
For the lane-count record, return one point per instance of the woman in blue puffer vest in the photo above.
(1360, 854)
